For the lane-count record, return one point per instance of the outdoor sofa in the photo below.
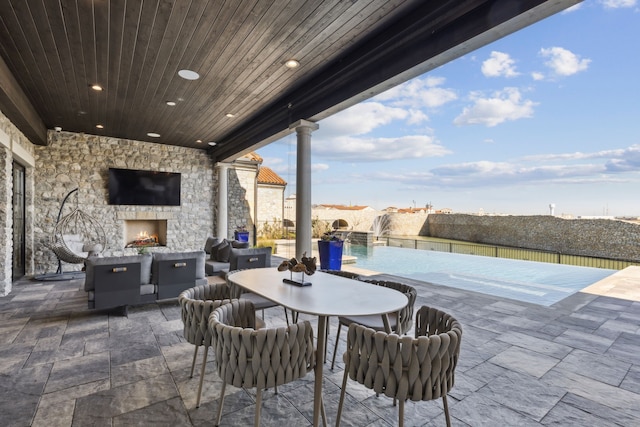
(139, 279)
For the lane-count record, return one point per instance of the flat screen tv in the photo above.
(140, 187)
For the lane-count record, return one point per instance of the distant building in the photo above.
(270, 206)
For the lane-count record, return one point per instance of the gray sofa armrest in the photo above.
(116, 285)
(240, 259)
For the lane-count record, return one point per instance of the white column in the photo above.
(303, 186)
(223, 185)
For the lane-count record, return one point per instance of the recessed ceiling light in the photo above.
(100, 126)
(97, 87)
(153, 134)
(199, 141)
(292, 63)
(188, 75)
(171, 103)
(230, 115)
(213, 144)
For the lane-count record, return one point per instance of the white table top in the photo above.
(329, 295)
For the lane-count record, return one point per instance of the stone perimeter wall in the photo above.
(78, 160)
(601, 238)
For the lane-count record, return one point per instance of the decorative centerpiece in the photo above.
(306, 265)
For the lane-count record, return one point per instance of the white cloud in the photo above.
(350, 149)
(499, 64)
(573, 8)
(536, 75)
(501, 106)
(419, 93)
(616, 4)
(360, 119)
(416, 117)
(317, 167)
(563, 62)
(567, 168)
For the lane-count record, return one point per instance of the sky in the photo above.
(547, 115)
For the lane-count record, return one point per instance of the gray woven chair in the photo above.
(404, 368)
(259, 302)
(249, 358)
(342, 273)
(197, 304)
(399, 322)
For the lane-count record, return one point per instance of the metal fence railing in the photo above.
(443, 245)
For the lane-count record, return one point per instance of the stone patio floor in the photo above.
(574, 363)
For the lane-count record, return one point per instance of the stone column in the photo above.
(303, 185)
(223, 194)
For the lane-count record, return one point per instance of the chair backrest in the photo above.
(197, 304)
(405, 316)
(258, 358)
(342, 273)
(404, 367)
(235, 290)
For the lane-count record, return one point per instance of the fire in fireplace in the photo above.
(144, 239)
(145, 233)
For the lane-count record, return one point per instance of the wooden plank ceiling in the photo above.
(53, 51)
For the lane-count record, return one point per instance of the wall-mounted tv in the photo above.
(140, 187)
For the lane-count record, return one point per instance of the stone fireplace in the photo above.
(145, 232)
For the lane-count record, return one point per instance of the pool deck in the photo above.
(574, 363)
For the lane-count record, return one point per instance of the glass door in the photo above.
(19, 199)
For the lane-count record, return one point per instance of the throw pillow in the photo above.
(211, 242)
(214, 250)
(223, 252)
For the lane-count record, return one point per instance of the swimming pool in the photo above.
(535, 282)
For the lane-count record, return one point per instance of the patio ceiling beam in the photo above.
(17, 107)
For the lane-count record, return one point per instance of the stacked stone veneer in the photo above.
(599, 238)
(78, 160)
(14, 146)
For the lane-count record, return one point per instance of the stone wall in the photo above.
(78, 160)
(600, 238)
(270, 205)
(14, 146)
(6, 220)
(242, 198)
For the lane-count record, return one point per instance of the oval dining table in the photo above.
(327, 295)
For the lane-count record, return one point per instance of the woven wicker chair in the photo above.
(399, 322)
(343, 273)
(248, 358)
(259, 302)
(420, 368)
(197, 304)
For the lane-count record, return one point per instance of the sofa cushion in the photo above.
(210, 243)
(170, 256)
(239, 245)
(214, 268)
(144, 260)
(223, 252)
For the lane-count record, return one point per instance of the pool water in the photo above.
(535, 282)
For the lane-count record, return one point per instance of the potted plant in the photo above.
(330, 250)
(241, 234)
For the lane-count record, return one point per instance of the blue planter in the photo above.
(241, 236)
(330, 254)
